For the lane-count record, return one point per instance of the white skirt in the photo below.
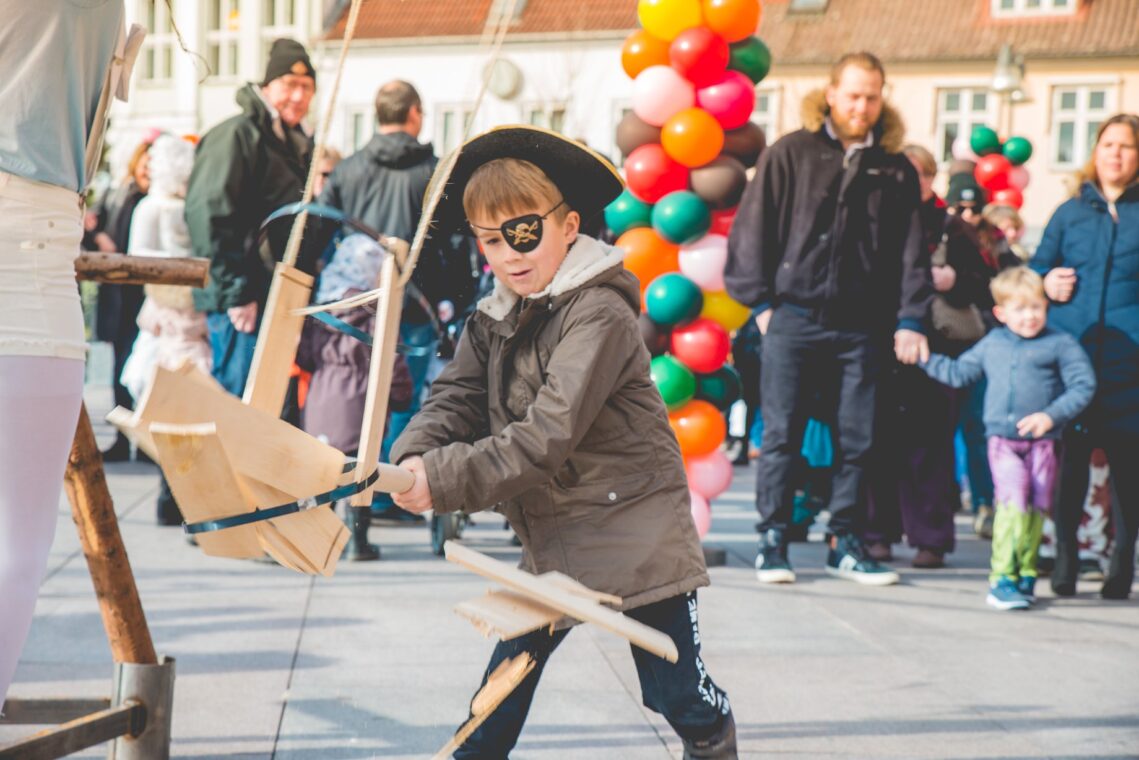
(41, 227)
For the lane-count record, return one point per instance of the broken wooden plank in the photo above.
(501, 683)
(507, 614)
(577, 607)
(277, 339)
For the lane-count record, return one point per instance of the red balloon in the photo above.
(992, 172)
(651, 174)
(1010, 196)
(722, 221)
(700, 55)
(731, 99)
(702, 345)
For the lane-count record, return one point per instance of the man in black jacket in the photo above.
(383, 185)
(827, 249)
(244, 169)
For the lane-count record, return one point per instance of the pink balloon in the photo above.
(710, 475)
(731, 100)
(701, 513)
(659, 93)
(1018, 177)
(703, 262)
(962, 150)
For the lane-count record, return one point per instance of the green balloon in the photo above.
(628, 212)
(676, 383)
(720, 388)
(672, 299)
(751, 58)
(984, 141)
(681, 217)
(1017, 150)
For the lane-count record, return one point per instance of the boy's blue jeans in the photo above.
(232, 350)
(683, 693)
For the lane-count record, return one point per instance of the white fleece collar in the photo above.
(586, 259)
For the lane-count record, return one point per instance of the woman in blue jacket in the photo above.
(1090, 261)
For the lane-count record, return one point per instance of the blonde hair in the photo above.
(922, 158)
(996, 213)
(1016, 282)
(510, 186)
(1089, 173)
(863, 60)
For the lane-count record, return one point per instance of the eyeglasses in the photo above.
(522, 233)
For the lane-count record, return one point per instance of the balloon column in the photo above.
(689, 141)
(999, 165)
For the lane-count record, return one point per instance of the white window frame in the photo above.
(275, 22)
(1083, 117)
(965, 117)
(1034, 8)
(158, 47)
(769, 121)
(359, 126)
(447, 140)
(226, 37)
(542, 115)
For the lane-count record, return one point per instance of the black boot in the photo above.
(120, 450)
(358, 520)
(719, 746)
(1066, 569)
(168, 511)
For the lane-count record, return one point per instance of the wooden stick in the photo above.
(277, 340)
(120, 269)
(501, 683)
(94, 515)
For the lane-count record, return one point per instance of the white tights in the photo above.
(39, 409)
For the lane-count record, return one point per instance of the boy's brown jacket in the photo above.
(548, 414)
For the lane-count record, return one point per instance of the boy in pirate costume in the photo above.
(547, 414)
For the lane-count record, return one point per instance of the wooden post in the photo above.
(94, 516)
(121, 269)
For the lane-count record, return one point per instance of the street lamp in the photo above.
(1007, 83)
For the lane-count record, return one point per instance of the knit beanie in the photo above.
(963, 188)
(288, 57)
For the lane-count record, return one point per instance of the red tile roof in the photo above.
(897, 30)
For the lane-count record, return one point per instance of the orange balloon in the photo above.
(699, 428)
(648, 255)
(734, 20)
(642, 50)
(692, 137)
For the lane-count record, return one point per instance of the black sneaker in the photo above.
(849, 559)
(771, 564)
(720, 746)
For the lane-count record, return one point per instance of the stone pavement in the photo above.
(373, 663)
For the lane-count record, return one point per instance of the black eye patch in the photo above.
(522, 233)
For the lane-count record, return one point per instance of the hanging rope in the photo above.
(293, 248)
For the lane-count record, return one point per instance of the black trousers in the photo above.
(683, 692)
(802, 360)
(1122, 451)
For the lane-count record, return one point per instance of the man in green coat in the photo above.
(245, 168)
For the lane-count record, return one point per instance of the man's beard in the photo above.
(846, 131)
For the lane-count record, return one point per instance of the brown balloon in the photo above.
(961, 166)
(745, 143)
(656, 337)
(719, 183)
(632, 133)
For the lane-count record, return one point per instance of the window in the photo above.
(1077, 112)
(1012, 8)
(360, 125)
(454, 122)
(766, 113)
(223, 23)
(158, 48)
(278, 19)
(958, 111)
(551, 116)
(808, 6)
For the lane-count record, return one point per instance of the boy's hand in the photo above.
(416, 499)
(1034, 425)
(910, 347)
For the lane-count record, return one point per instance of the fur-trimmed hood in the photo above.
(588, 262)
(890, 131)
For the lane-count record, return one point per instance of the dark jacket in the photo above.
(1049, 373)
(243, 171)
(334, 407)
(117, 306)
(1103, 313)
(835, 235)
(548, 412)
(383, 185)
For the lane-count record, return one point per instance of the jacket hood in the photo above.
(398, 150)
(890, 131)
(253, 106)
(1090, 193)
(589, 262)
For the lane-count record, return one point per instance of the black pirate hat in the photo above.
(586, 179)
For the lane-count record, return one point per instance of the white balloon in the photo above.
(659, 93)
(703, 262)
(962, 150)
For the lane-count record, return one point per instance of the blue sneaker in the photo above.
(1027, 588)
(1004, 596)
(849, 559)
(771, 563)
